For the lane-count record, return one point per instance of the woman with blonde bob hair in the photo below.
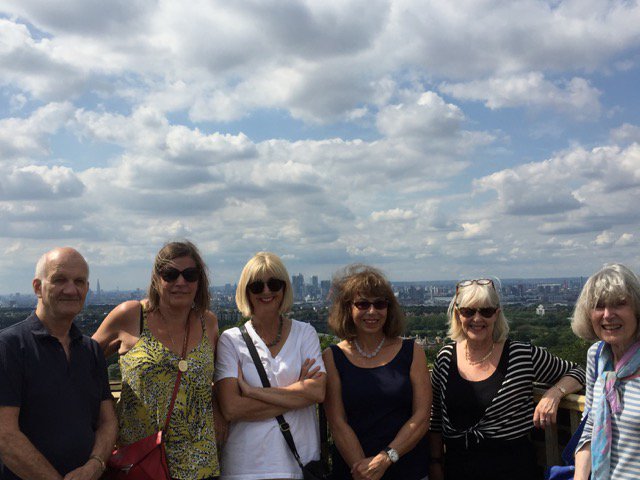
(290, 353)
(483, 392)
(378, 388)
(608, 309)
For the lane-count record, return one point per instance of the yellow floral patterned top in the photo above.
(149, 372)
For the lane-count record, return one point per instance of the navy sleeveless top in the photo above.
(378, 402)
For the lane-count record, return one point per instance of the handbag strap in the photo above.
(176, 386)
(569, 450)
(284, 426)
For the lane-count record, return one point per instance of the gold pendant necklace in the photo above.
(183, 364)
(477, 362)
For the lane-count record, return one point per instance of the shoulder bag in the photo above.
(567, 471)
(313, 470)
(146, 459)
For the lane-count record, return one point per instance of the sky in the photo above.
(433, 139)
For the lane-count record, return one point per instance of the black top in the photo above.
(467, 400)
(378, 402)
(510, 414)
(59, 400)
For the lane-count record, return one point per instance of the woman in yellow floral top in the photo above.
(149, 338)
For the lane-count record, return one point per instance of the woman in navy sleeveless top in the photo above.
(378, 396)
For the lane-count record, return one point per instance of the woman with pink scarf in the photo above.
(608, 309)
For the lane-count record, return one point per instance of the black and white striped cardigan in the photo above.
(510, 414)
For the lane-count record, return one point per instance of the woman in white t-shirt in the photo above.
(290, 352)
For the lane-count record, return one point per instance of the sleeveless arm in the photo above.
(120, 330)
(416, 427)
(345, 438)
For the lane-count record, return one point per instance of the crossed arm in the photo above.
(240, 401)
(23, 459)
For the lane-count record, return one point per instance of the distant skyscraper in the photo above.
(297, 281)
(325, 288)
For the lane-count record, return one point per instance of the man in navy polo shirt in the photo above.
(56, 411)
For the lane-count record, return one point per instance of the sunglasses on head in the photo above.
(366, 304)
(486, 312)
(479, 281)
(274, 285)
(171, 274)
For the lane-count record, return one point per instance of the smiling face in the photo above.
(64, 286)
(615, 322)
(370, 320)
(178, 293)
(477, 324)
(266, 303)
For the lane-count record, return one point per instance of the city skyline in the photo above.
(320, 283)
(433, 140)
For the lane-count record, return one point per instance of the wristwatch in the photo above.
(392, 453)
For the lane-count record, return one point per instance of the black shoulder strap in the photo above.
(284, 426)
(141, 318)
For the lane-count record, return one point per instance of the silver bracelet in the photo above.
(562, 389)
(103, 467)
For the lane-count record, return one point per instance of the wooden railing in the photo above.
(549, 444)
(552, 442)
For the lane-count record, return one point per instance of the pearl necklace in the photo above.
(477, 362)
(278, 336)
(365, 354)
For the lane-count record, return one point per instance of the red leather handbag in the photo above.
(146, 459)
(142, 460)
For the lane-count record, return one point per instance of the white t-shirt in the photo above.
(257, 450)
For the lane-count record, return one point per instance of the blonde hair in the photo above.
(263, 265)
(475, 296)
(611, 284)
(367, 281)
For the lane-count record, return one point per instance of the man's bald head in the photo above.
(63, 253)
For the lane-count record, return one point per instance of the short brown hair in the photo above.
(170, 251)
(359, 279)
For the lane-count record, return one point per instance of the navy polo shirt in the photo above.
(59, 400)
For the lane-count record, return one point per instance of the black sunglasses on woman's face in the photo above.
(366, 304)
(170, 274)
(274, 285)
(486, 312)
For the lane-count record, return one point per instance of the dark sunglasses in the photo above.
(366, 304)
(486, 312)
(274, 285)
(170, 274)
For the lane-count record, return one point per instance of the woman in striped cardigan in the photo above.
(608, 309)
(483, 405)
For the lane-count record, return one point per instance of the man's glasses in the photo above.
(366, 304)
(274, 285)
(486, 312)
(170, 274)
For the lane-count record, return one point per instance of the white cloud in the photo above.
(393, 214)
(575, 96)
(626, 239)
(26, 137)
(626, 133)
(471, 231)
(348, 130)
